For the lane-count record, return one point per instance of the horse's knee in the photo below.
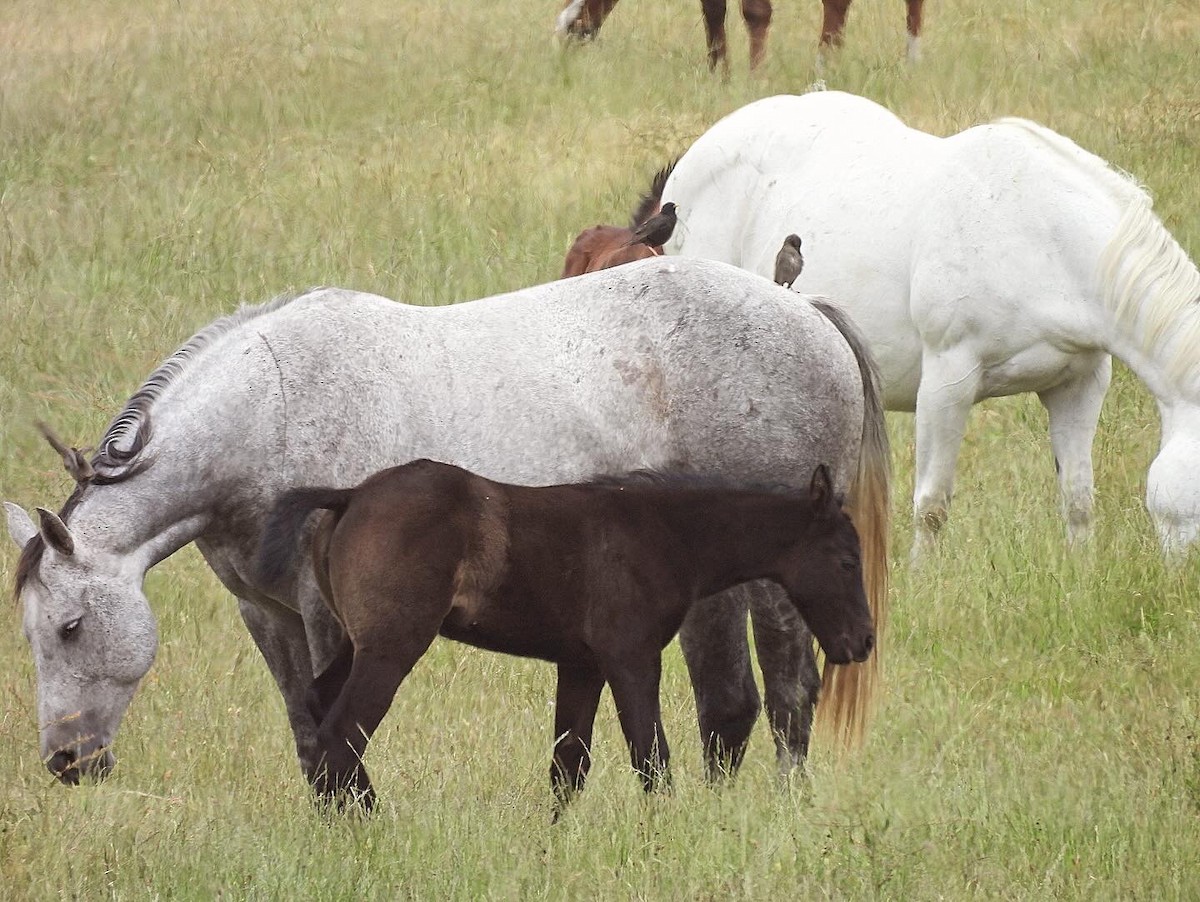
(757, 14)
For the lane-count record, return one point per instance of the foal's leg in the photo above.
(791, 679)
(713, 639)
(575, 704)
(1074, 410)
(367, 694)
(757, 14)
(949, 382)
(634, 682)
(714, 27)
(914, 29)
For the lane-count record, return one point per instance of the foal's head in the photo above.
(823, 575)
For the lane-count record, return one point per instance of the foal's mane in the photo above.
(119, 455)
(649, 202)
(688, 479)
(1145, 278)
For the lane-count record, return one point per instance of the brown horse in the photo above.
(582, 19)
(595, 577)
(603, 246)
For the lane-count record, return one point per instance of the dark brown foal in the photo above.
(595, 577)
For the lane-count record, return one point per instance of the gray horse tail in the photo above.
(277, 549)
(848, 696)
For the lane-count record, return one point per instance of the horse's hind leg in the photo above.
(635, 682)
(791, 679)
(714, 28)
(713, 639)
(949, 383)
(1074, 410)
(367, 694)
(575, 703)
(757, 14)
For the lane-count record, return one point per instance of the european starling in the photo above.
(655, 231)
(788, 262)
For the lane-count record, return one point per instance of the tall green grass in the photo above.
(161, 162)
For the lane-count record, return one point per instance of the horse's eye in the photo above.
(69, 629)
(848, 566)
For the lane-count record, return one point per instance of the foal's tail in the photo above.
(277, 548)
(848, 696)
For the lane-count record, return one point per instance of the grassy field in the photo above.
(161, 162)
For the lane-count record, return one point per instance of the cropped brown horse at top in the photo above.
(595, 577)
(604, 246)
(581, 19)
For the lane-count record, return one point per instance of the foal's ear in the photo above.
(55, 532)
(820, 490)
(20, 527)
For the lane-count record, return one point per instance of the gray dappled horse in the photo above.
(663, 363)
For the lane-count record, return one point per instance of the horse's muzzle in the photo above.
(70, 766)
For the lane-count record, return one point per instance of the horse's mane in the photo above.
(649, 202)
(1146, 279)
(119, 454)
(688, 479)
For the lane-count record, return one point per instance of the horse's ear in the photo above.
(74, 460)
(55, 533)
(820, 490)
(20, 526)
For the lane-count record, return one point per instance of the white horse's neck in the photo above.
(137, 522)
(1151, 290)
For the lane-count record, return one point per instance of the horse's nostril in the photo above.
(63, 764)
(869, 644)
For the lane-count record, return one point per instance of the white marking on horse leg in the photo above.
(949, 382)
(567, 18)
(914, 48)
(1074, 410)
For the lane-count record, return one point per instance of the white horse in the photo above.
(1000, 260)
(685, 364)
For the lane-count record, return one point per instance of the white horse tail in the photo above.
(848, 693)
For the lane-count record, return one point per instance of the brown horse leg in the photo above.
(574, 714)
(914, 29)
(367, 694)
(713, 639)
(757, 14)
(635, 692)
(714, 27)
(834, 22)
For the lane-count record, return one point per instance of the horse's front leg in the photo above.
(714, 28)
(1074, 411)
(791, 679)
(713, 639)
(575, 703)
(757, 14)
(280, 635)
(635, 682)
(914, 29)
(949, 385)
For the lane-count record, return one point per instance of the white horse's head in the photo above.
(93, 638)
(1173, 494)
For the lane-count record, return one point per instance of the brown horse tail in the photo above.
(277, 548)
(649, 203)
(848, 695)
